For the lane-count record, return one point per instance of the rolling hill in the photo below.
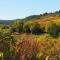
(42, 18)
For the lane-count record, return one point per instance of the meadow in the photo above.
(32, 38)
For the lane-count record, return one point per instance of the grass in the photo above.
(1, 54)
(46, 42)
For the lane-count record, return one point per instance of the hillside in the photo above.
(36, 37)
(45, 17)
(6, 22)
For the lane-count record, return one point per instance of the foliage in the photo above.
(39, 56)
(26, 28)
(32, 46)
(17, 26)
(28, 49)
(52, 29)
(6, 42)
(35, 29)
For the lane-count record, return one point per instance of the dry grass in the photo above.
(47, 45)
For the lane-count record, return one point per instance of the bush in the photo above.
(35, 29)
(17, 26)
(53, 29)
(28, 50)
(26, 28)
(6, 43)
(58, 28)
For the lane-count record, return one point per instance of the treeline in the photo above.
(35, 28)
(31, 27)
(21, 27)
(33, 17)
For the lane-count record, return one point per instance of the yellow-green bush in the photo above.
(52, 29)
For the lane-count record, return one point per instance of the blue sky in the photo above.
(13, 9)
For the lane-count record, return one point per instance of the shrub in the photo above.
(26, 28)
(6, 43)
(35, 29)
(58, 28)
(17, 26)
(28, 49)
(52, 29)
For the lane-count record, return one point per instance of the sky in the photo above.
(15, 9)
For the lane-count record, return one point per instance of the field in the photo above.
(48, 46)
(32, 38)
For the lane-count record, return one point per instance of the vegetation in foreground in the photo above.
(33, 38)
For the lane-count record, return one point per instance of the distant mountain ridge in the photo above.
(6, 21)
(44, 15)
(34, 17)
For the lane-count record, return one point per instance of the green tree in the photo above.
(17, 26)
(26, 28)
(35, 29)
(52, 29)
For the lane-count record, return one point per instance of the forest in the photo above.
(36, 37)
